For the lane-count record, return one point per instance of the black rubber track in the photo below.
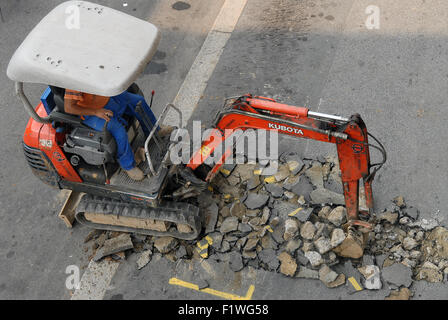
(176, 212)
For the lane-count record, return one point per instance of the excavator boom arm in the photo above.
(349, 135)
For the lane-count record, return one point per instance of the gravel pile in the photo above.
(293, 222)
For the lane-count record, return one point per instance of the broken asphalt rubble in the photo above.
(293, 222)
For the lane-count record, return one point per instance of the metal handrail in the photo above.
(156, 125)
(28, 107)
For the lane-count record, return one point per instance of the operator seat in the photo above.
(58, 97)
(96, 148)
(58, 113)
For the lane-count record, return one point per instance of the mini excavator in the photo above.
(64, 153)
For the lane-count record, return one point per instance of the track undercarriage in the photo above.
(176, 219)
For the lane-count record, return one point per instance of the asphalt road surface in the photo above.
(317, 54)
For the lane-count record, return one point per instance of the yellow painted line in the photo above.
(257, 172)
(270, 179)
(225, 171)
(203, 248)
(206, 244)
(209, 240)
(205, 151)
(225, 295)
(295, 212)
(355, 284)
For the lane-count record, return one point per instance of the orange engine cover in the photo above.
(43, 137)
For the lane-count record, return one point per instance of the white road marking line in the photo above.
(96, 279)
(203, 66)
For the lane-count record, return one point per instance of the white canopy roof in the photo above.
(103, 56)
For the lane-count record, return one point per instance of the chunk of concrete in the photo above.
(253, 182)
(111, 246)
(245, 171)
(299, 185)
(284, 209)
(293, 161)
(324, 212)
(288, 265)
(308, 230)
(268, 243)
(339, 281)
(229, 224)
(237, 209)
(291, 228)
(402, 294)
(274, 189)
(409, 243)
(282, 173)
(398, 275)
(321, 195)
(240, 243)
(251, 244)
(436, 243)
(315, 174)
(256, 200)
(265, 215)
(143, 259)
(244, 228)
(307, 273)
(211, 217)
(337, 237)
(388, 216)
(334, 183)
(293, 245)
(301, 259)
(368, 260)
(372, 277)
(165, 244)
(295, 165)
(216, 240)
(307, 246)
(225, 246)
(429, 272)
(304, 214)
(181, 252)
(323, 245)
(338, 216)
(399, 201)
(326, 275)
(351, 247)
(278, 233)
(269, 257)
(425, 224)
(314, 258)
